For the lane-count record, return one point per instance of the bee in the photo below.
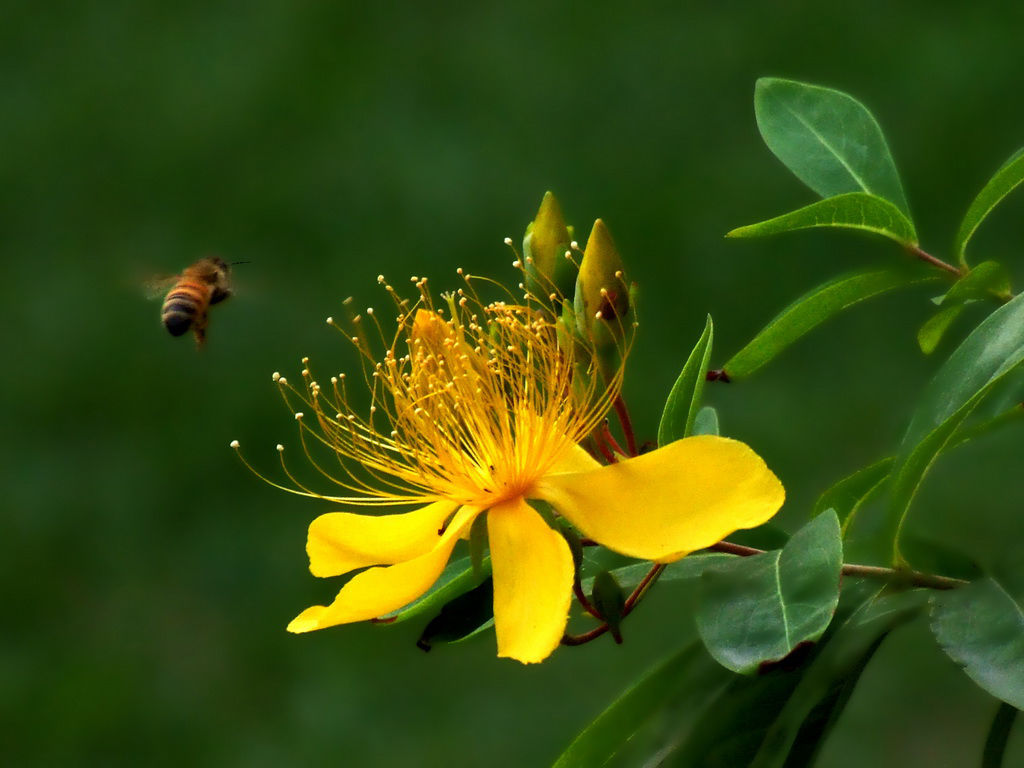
(191, 295)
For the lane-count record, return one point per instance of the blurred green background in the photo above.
(148, 577)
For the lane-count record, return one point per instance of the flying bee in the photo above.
(191, 295)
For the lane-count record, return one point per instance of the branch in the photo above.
(900, 576)
(916, 250)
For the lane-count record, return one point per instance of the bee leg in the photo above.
(219, 294)
(199, 329)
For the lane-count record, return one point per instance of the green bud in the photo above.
(544, 246)
(602, 300)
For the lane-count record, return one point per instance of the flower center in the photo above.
(471, 403)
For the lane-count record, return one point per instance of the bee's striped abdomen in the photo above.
(184, 303)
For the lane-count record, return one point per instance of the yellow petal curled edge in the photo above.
(576, 459)
(533, 572)
(665, 504)
(340, 542)
(380, 590)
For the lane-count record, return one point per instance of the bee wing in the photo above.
(155, 287)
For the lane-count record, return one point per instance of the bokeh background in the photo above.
(147, 577)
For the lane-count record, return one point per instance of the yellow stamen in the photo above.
(471, 402)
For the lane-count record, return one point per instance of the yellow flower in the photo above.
(478, 408)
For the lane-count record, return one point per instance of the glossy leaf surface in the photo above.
(684, 400)
(690, 567)
(758, 609)
(457, 578)
(981, 628)
(461, 617)
(599, 742)
(803, 723)
(984, 358)
(827, 138)
(1006, 179)
(852, 210)
(935, 327)
(849, 494)
(810, 311)
(706, 422)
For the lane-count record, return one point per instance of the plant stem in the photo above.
(627, 425)
(891, 575)
(577, 589)
(902, 576)
(895, 576)
(606, 433)
(630, 604)
(917, 251)
(642, 587)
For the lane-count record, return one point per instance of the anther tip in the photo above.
(235, 444)
(508, 241)
(280, 448)
(299, 415)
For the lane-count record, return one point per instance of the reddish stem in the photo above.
(627, 425)
(628, 606)
(612, 443)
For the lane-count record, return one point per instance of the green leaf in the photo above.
(931, 333)
(457, 578)
(933, 555)
(811, 310)
(730, 731)
(848, 495)
(706, 422)
(478, 545)
(1007, 179)
(758, 609)
(827, 138)
(984, 358)
(461, 617)
(733, 727)
(981, 429)
(600, 740)
(988, 279)
(765, 536)
(690, 567)
(981, 628)
(684, 399)
(853, 210)
(804, 721)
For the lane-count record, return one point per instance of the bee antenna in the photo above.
(240, 262)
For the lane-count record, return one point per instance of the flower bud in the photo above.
(544, 246)
(602, 295)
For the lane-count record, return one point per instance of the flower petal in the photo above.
(340, 542)
(533, 572)
(380, 590)
(665, 504)
(574, 460)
